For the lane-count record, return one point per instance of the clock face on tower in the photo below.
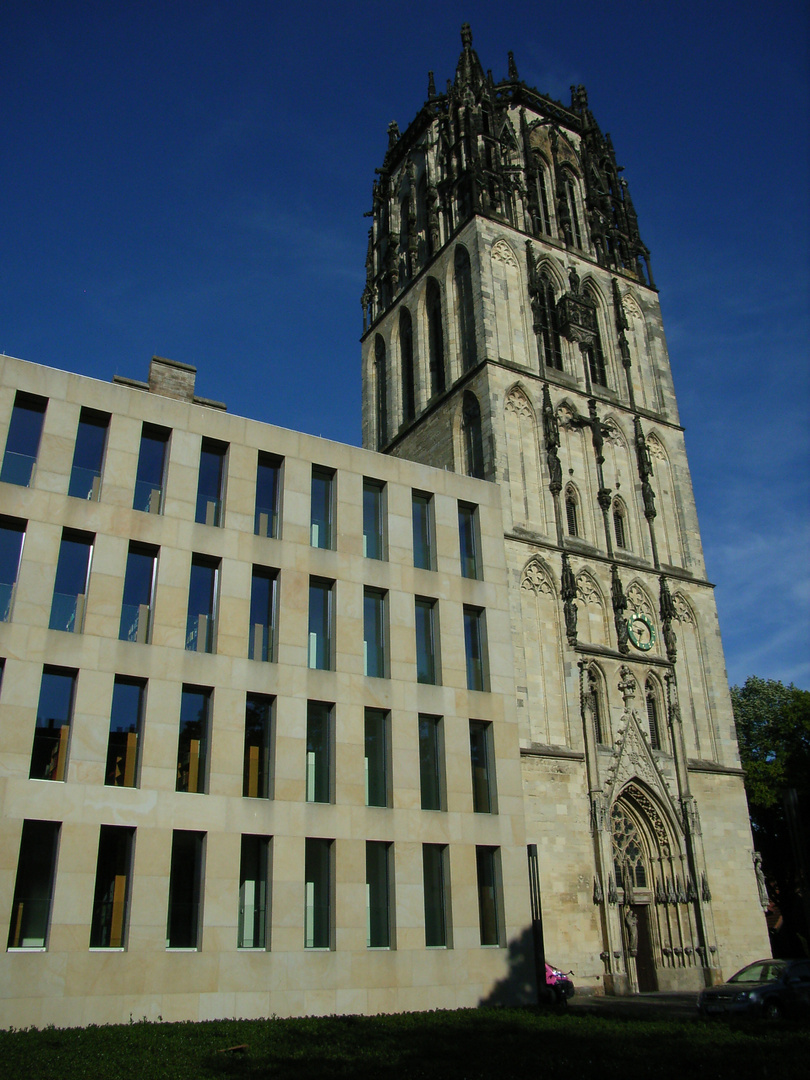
(641, 631)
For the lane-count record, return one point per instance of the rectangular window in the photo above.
(436, 878)
(377, 747)
(88, 454)
(192, 743)
(254, 892)
(211, 482)
(475, 648)
(320, 624)
(431, 763)
(268, 486)
(150, 479)
(33, 891)
(482, 760)
(139, 590)
(261, 645)
(111, 900)
(126, 725)
(49, 753)
(319, 751)
(374, 519)
(322, 508)
(375, 633)
(468, 540)
(424, 556)
(489, 899)
(22, 443)
(427, 660)
(202, 605)
(70, 587)
(318, 875)
(378, 894)
(185, 890)
(12, 534)
(257, 780)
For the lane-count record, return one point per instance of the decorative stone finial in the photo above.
(466, 35)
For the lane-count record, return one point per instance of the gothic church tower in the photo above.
(512, 331)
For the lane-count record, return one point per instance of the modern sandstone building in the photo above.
(290, 726)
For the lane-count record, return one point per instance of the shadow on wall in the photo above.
(519, 987)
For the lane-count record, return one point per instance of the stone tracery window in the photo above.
(595, 352)
(473, 436)
(598, 709)
(570, 183)
(466, 308)
(628, 851)
(382, 391)
(653, 712)
(435, 338)
(406, 362)
(620, 524)
(549, 325)
(572, 511)
(544, 221)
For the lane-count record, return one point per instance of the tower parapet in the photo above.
(506, 152)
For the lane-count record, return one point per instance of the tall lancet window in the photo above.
(653, 714)
(466, 309)
(473, 438)
(620, 524)
(595, 352)
(435, 338)
(573, 212)
(382, 391)
(596, 359)
(549, 326)
(406, 365)
(572, 511)
(542, 197)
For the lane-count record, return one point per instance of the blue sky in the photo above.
(188, 178)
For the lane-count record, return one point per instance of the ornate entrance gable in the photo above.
(633, 758)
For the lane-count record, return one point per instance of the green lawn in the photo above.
(497, 1043)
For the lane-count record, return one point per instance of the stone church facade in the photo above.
(289, 726)
(513, 332)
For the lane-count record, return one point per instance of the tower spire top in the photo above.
(468, 70)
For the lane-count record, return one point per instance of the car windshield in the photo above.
(761, 972)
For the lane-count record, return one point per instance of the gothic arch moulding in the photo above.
(640, 601)
(600, 353)
(655, 708)
(526, 496)
(468, 436)
(693, 690)
(465, 308)
(592, 623)
(668, 534)
(510, 310)
(644, 372)
(597, 708)
(546, 708)
(553, 271)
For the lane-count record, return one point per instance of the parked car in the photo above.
(559, 983)
(767, 988)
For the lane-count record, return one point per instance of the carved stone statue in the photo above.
(613, 896)
(598, 895)
(762, 888)
(631, 922)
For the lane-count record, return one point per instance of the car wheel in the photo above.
(772, 1010)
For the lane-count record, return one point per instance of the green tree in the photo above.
(773, 731)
